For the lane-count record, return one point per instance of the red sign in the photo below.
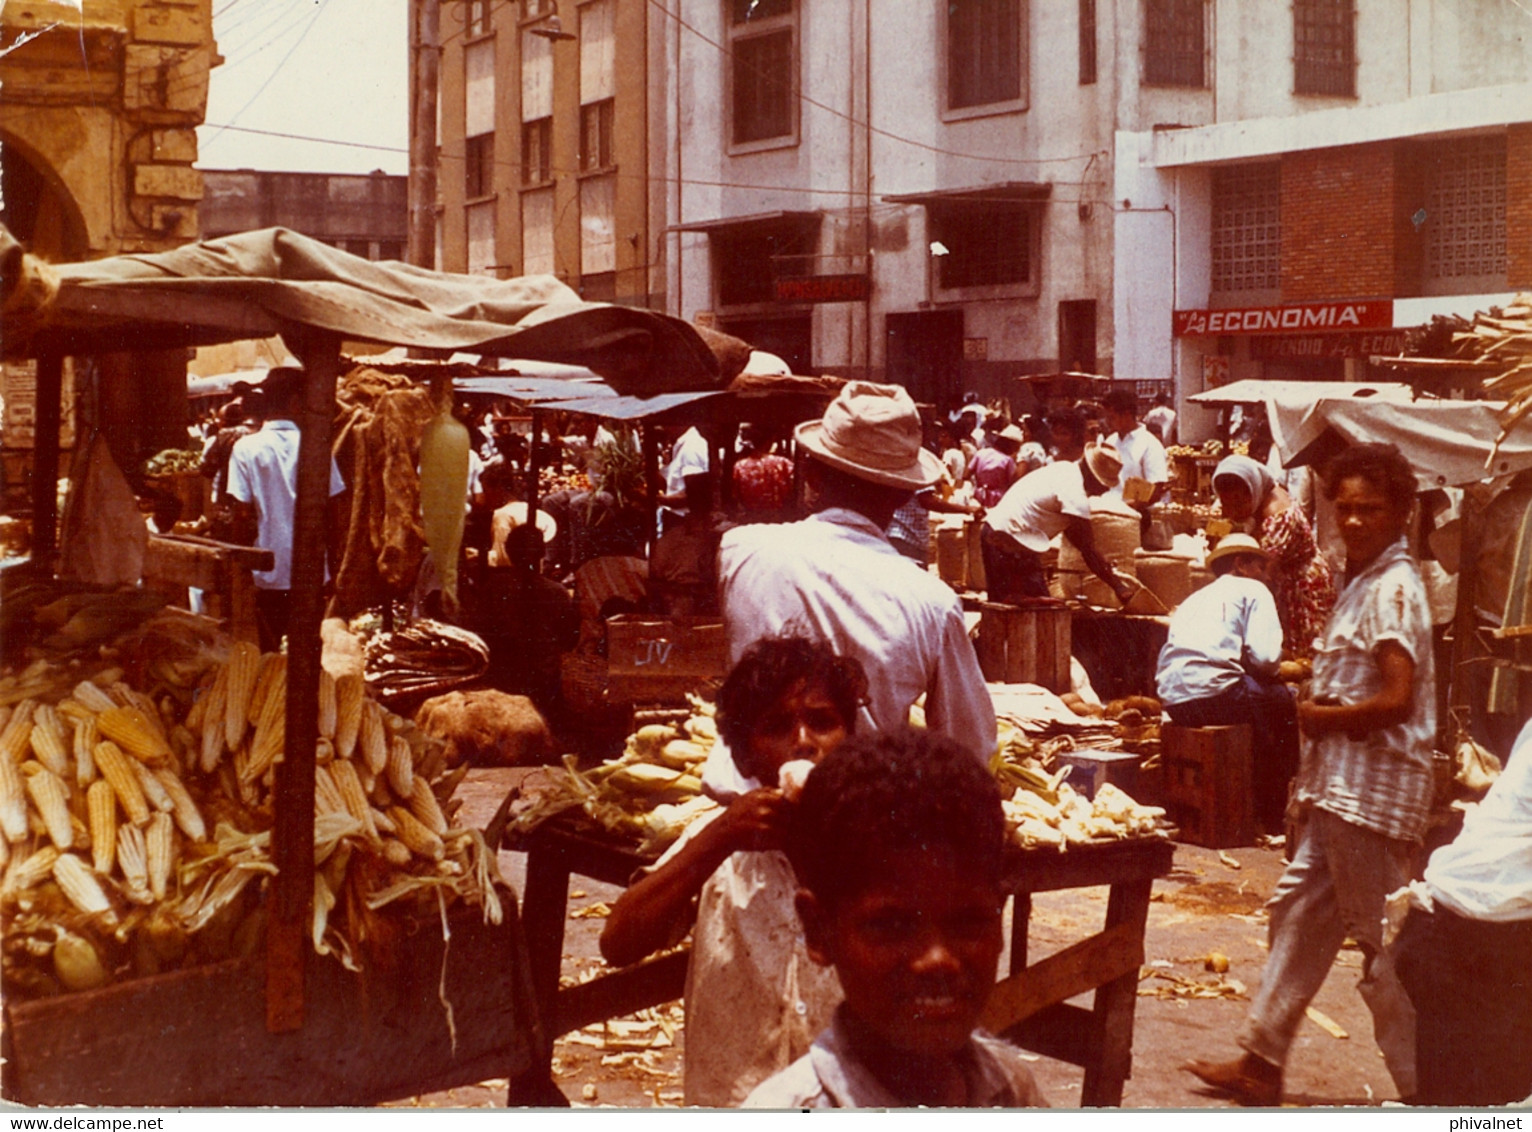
(822, 289)
(1297, 347)
(1298, 318)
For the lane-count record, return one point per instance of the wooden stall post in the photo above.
(651, 450)
(45, 457)
(292, 847)
(534, 468)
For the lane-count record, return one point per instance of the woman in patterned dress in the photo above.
(1299, 576)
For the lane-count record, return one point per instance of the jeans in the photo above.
(1272, 714)
(1334, 887)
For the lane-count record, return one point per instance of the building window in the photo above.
(479, 166)
(985, 59)
(479, 220)
(1324, 47)
(478, 17)
(1175, 43)
(1465, 216)
(536, 152)
(748, 260)
(596, 136)
(537, 232)
(763, 61)
(1087, 42)
(983, 245)
(1247, 228)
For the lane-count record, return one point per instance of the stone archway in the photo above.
(37, 208)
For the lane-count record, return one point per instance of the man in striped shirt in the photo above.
(1364, 785)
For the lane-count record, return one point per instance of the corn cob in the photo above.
(130, 728)
(329, 707)
(354, 795)
(154, 792)
(13, 802)
(266, 743)
(49, 795)
(243, 667)
(160, 847)
(372, 739)
(384, 823)
(47, 741)
(327, 796)
(28, 872)
(324, 750)
(85, 738)
(350, 692)
(73, 710)
(117, 769)
(396, 852)
(5, 852)
(130, 697)
(198, 711)
(81, 886)
(92, 696)
(401, 767)
(213, 732)
(414, 834)
(133, 857)
(16, 739)
(273, 672)
(423, 804)
(183, 806)
(103, 825)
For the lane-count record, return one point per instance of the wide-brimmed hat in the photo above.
(1231, 545)
(1011, 432)
(872, 432)
(1104, 462)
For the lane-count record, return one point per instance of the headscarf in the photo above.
(1249, 472)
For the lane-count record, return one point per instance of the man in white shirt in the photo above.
(835, 577)
(689, 456)
(1145, 466)
(1051, 501)
(1161, 420)
(263, 483)
(1216, 668)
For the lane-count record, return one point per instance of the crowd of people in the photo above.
(844, 903)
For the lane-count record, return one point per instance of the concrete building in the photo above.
(547, 137)
(98, 118)
(364, 214)
(1336, 172)
(949, 194)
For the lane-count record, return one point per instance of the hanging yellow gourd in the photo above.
(444, 487)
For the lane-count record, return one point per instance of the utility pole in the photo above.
(425, 73)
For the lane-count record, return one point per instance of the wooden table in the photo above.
(1028, 1007)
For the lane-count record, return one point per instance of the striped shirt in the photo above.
(1382, 780)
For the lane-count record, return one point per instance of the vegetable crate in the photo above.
(441, 1014)
(1209, 784)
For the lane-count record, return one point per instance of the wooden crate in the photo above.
(198, 1038)
(651, 659)
(1208, 784)
(1021, 645)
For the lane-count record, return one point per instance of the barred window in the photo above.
(986, 245)
(537, 151)
(763, 69)
(1465, 211)
(479, 166)
(984, 52)
(1175, 43)
(1247, 227)
(1324, 47)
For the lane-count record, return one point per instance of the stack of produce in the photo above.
(648, 795)
(134, 822)
(425, 657)
(173, 460)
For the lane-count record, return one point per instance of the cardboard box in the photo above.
(662, 658)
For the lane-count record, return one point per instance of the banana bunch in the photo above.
(1049, 813)
(132, 827)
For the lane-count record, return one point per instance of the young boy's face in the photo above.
(915, 950)
(803, 724)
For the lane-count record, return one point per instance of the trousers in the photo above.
(1334, 887)
(1011, 570)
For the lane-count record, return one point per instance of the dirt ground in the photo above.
(1211, 902)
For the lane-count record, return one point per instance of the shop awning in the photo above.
(1256, 392)
(1006, 192)
(754, 220)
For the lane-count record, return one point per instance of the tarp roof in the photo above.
(259, 283)
(1255, 392)
(592, 398)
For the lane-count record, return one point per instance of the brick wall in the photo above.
(1338, 223)
(1518, 206)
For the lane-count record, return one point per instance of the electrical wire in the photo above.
(318, 13)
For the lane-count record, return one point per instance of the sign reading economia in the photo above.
(1298, 318)
(822, 289)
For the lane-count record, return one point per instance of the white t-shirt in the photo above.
(263, 470)
(1040, 504)
(1143, 457)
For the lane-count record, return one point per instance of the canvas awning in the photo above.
(1256, 392)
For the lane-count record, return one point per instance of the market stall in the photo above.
(277, 1006)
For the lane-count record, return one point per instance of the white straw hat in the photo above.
(1104, 463)
(873, 432)
(1234, 544)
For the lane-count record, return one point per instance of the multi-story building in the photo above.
(1335, 171)
(546, 131)
(950, 193)
(364, 214)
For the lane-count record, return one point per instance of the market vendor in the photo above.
(1465, 953)
(1219, 665)
(835, 577)
(263, 485)
(1145, 475)
(1053, 500)
(1364, 785)
(528, 621)
(683, 566)
(993, 468)
(1299, 576)
(689, 455)
(754, 999)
